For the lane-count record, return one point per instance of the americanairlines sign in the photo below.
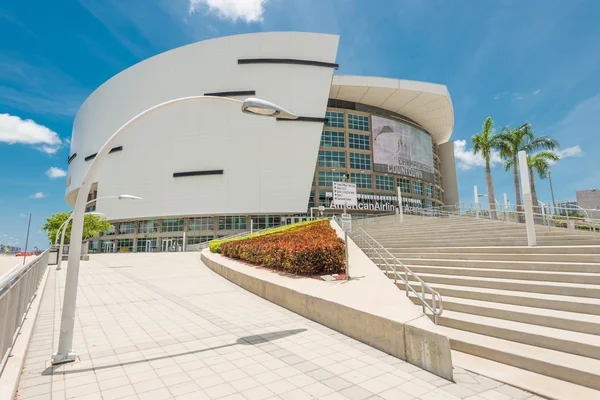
(373, 202)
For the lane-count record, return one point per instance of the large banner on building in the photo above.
(402, 149)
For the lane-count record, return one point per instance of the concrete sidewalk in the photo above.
(163, 326)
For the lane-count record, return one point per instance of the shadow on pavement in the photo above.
(244, 341)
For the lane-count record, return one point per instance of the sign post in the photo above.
(345, 193)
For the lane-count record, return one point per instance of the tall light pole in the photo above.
(65, 351)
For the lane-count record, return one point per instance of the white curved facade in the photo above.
(195, 163)
(267, 164)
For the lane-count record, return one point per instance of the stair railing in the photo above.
(374, 250)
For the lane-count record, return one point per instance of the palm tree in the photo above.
(540, 163)
(483, 144)
(511, 141)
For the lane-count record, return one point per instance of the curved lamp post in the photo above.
(65, 351)
(66, 223)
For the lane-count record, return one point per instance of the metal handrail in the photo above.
(17, 290)
(370, 246)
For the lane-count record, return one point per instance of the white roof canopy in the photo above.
(428, 104)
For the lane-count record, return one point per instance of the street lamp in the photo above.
(65, 351)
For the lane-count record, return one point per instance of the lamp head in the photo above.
(265, 108)
(96, 213)
(128, 197)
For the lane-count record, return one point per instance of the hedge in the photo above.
(215, 245)
(310, 248)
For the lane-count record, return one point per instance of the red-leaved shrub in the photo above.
(311, 249)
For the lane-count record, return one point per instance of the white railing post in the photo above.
(527, 200)
(476, 201)
(401, 212)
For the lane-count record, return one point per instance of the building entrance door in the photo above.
(108, 247)
(166, 244)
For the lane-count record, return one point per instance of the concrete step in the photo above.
(526, 275)
(582, 344)
(572, 368)
(590, 268)
(482, 243)
(542, 250)
(562, 288)
(499, 256)
(536, 300)
(576, 322)
(542, 385)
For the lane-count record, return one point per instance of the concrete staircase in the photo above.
(536, 309)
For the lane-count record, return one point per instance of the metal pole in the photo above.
(527, 200)
(552, 191)
(27, 240)
(476, 201)
(252, 223)
(400, 207)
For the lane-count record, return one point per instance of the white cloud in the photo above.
(536, 92)
(54, 173)
(38, 195)
(22, 215)
(234, 10)
(25, 131)
(574, 151)
(467, 159)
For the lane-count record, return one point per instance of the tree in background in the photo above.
(540, 163)
(93, 225)
(511, 141)
(484, 143)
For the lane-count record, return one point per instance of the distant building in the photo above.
(590, 200)
(567, 205)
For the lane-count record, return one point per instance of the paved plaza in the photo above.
(164, 326)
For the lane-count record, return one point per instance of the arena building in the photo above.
(207, 170)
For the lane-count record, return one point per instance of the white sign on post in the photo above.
(346, 222)
(344, 193)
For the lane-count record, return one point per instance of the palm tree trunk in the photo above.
(490, 190)
(519, 207)
(536, 208)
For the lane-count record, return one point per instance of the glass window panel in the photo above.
(403, 184)
(149, 226)
(428, 191)
(358, 122)
(124, 245)
(326, 178)
(360, 161)
(334, 119)
(126, 228)
(333, 139)
(363, 181)
(172, 225)
(358, 141)
(266, 221)
(232, 222)
(417, 188)
(330, 158)
(145, 245)
(383, 182)
(201, 224)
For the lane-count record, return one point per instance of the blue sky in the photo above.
(535, 61)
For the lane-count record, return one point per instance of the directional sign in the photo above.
(344, 193)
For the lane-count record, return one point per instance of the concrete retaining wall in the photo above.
(368, 308)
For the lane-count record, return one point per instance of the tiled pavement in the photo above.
(163, 326)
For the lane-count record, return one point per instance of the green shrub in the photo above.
(308, 248)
